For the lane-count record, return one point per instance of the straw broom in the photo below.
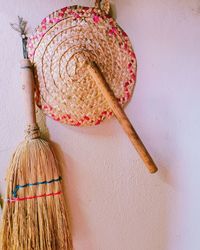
(34, 214)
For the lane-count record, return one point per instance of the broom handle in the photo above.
(121, 116)
(27, 80)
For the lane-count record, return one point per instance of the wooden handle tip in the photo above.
(153, 170)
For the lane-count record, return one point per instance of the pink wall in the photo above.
(115, 204)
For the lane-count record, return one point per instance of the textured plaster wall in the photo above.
(115, 204)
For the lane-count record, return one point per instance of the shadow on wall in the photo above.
(78, 221)
(149, 224)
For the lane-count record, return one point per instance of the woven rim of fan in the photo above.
(58, 49)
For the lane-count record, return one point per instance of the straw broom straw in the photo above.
(34, 214)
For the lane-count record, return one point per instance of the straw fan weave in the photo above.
(61, 44)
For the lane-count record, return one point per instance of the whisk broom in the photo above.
(34, 214)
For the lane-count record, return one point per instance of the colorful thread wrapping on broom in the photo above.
(17, 187)
(32, 197)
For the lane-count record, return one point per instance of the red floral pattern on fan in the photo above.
(113, 30)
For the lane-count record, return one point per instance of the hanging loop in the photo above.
(103, 5)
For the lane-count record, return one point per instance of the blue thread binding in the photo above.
(17, 187)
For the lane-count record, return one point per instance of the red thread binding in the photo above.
(33, 197)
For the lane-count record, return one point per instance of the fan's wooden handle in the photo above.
(27, 80)
(121, 116)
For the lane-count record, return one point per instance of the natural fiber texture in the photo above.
(58, 49)
(34, 216)
(21, 28)
(104, 5)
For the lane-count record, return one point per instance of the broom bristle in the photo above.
(35, 215)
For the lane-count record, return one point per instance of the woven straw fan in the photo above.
(85, 69)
